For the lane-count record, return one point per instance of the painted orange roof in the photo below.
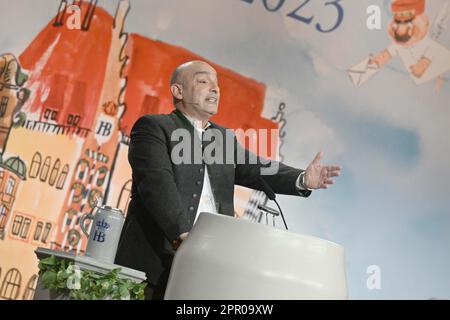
(67, 68)
(148, 90)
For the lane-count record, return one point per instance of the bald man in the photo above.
(167, 195)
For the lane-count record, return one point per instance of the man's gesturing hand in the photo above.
(318, 176)
(176, 243)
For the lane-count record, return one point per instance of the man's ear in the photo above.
(427, 22)
(177, 91)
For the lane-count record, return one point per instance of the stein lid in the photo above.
(109, 208)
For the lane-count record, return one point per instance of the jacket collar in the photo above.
(185, 122)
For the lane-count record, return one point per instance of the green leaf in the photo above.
(61, 276)
(48, 279)
(55, 273)
(124, 293)
(50, 261)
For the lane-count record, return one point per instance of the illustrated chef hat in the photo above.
(407, 9)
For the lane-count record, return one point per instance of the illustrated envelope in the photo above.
(362, 72)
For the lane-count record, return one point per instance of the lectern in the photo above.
(230, 258)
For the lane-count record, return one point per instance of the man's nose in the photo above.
(402, 29)
(214, 88)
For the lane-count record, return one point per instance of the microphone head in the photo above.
(267, 189)
(268, 210)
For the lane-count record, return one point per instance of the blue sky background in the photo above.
(391, 206)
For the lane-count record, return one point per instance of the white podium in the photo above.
(227, 258)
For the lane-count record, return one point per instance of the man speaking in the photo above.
(168, 194)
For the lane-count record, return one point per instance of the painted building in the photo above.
(66, 134)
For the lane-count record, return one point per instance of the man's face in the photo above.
(408, 30)
(200, 90)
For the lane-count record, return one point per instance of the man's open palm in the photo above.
(318, 176)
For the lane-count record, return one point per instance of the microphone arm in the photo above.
(281, 212)
(271, 195)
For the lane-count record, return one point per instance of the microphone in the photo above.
(268, 210)
(271, 195)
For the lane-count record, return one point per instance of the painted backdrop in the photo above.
(336, 75)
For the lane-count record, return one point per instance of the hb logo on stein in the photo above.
(100, 228)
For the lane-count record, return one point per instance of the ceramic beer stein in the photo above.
(103, 239)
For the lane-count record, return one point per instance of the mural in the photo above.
(417, 46)
(370, 88)
(65, 123)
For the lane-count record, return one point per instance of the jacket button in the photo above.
(194, 195)
(201, 170)
(191, 208)
(199, 183)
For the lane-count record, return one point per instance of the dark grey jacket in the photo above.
(165, 196)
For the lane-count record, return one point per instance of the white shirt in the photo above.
(438, 54)
(207, 202)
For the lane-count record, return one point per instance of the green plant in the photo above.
(62, 276)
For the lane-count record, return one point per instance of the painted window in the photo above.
(38, 230)
(45, 169)
(101, 176)
(3, 106)
(35, 165)
(11, 285)
(82, 169)
(17, 225)
(48, 228)
(62, 177)
(21, 226)
(54, 172)
(10, 186)
(3, 216)
(31, 288)
(25, 228)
